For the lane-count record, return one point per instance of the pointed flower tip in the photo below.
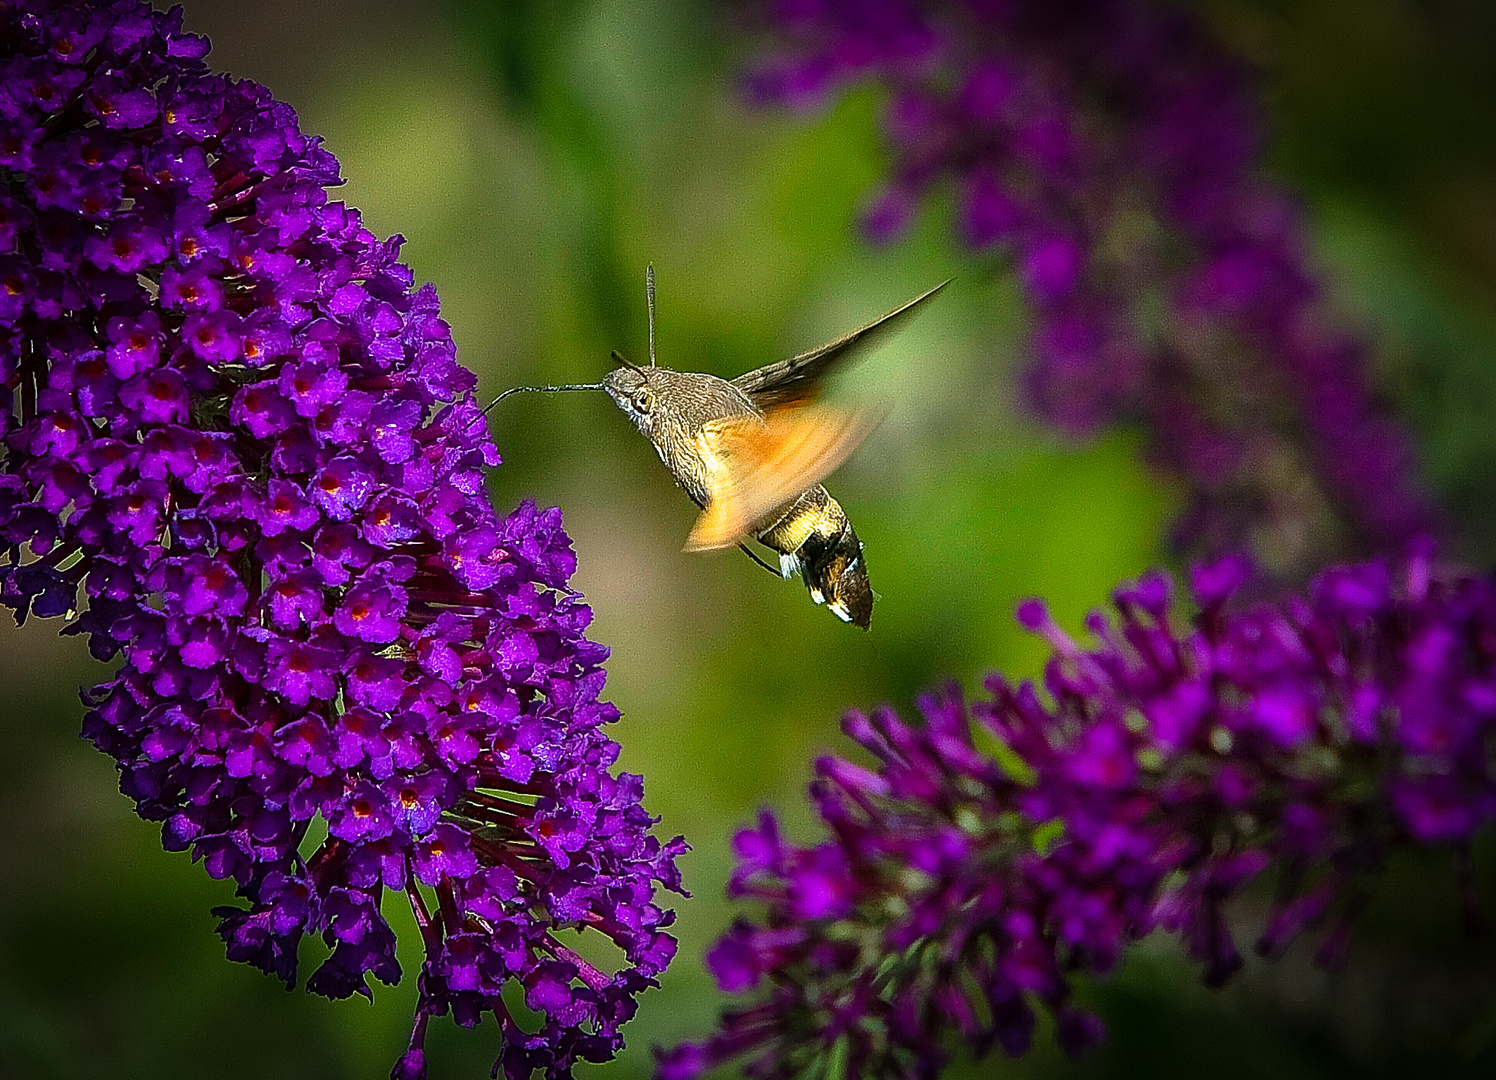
(1033, 615)
(411, 1066)
(1214, 582)
(683, 1062)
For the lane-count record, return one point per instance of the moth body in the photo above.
(701, 427)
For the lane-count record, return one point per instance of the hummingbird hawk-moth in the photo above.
(752, 451)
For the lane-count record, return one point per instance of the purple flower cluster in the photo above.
(1112, 151)
(981, 865)
(233, 425)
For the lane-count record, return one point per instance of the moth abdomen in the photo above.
(815, 537)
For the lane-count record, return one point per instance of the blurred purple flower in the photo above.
(232, 423)
(1113, 151)
(1164, 770)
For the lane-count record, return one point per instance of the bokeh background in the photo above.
(536, 154)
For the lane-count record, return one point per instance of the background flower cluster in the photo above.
(1114, 153)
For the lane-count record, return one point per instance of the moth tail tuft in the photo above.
(835, 573)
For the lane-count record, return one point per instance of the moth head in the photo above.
(633, 391)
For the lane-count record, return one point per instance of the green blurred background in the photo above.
(536, 155)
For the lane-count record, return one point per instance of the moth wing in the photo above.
(754, 466)
(798, 379)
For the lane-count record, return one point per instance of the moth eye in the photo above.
(643, 400)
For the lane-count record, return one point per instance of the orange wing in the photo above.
(754, 467)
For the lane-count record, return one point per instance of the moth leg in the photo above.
(746, 550)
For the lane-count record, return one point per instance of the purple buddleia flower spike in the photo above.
(1111, 152)
(1155, 776)
(240, 454)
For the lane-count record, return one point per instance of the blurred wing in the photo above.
(798, 378)
(753, 466)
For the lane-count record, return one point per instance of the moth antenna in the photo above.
(618, 357)
(649, 301)
(540, 390)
